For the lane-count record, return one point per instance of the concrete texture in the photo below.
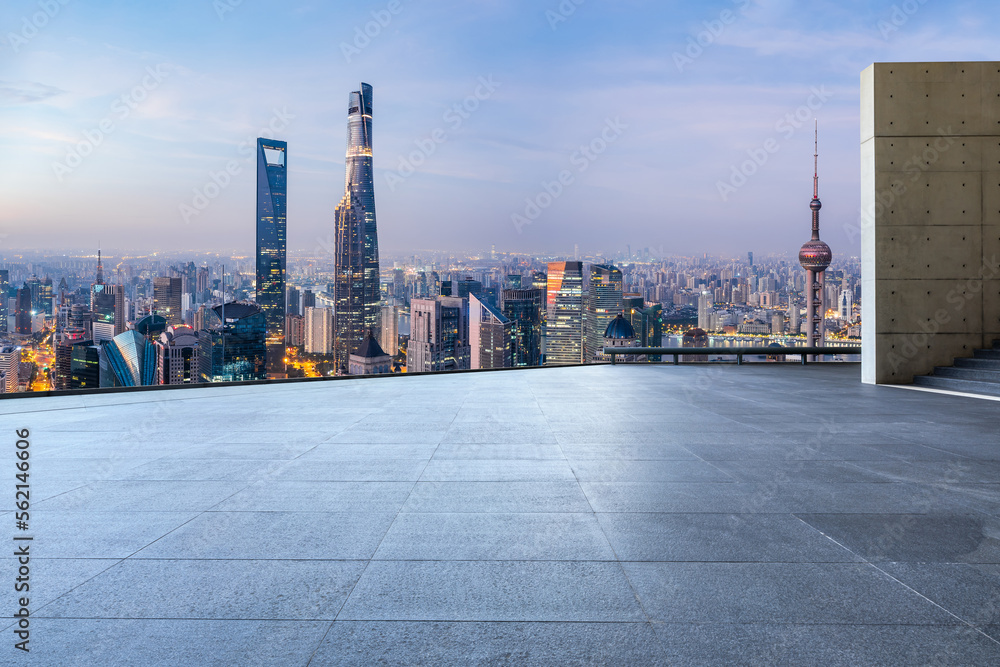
(640, 515)
(930, 202)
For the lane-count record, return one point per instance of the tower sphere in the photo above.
(815, 255)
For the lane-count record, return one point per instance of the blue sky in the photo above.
(670, 96)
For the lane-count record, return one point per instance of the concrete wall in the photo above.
(930, 206)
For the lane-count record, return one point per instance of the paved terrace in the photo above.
(620, 515)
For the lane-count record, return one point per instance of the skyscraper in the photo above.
(4, 297)
(22, 311)
(523, 307)
(233, 349)
(356, 267)
(272, 185)
(604, 303)
(564, 314)
(318, 336)
(439, 335)
(489, 335)
(167, 299)
(390, 330)
(815, 256)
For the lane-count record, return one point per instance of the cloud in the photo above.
(26, 92)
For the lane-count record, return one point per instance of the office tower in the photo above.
(233, 348)
(706, 305)
(65, 340)
(777, 323)
(177, 357)
(292, 307)
(604, 302)
(45, 301)
(564, 314)
(399, 284)
(446, 287)
(750, 257)
(10, 367)
(439, 335)
(107, 306)
(295, 330)
(356, 264)
(4, 298)
(22, 311)
(815, 256)
(128, 360)
(794, 326)
(846, 305)
(272, 183)
(34, 286)
(523, 307)
(85, 366)
(167, 299)
(308, 299)
(469, 286)
(489, 335)
(647, 324)
(369, 359)
(539, 281)
(389, 340)
(513, 281)
(319, 331)
(201, 281)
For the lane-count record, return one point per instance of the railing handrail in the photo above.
(738, 352)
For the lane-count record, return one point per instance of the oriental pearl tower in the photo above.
(815, 256)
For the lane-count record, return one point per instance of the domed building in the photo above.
(370, 359)
(620, 333)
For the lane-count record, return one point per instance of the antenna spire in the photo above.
(816, 163)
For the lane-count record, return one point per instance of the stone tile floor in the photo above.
(600, 515)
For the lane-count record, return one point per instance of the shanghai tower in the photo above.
(356, 281)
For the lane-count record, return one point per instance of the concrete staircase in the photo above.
(979, 374)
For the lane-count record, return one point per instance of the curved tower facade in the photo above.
(356, 283)
(815, 256)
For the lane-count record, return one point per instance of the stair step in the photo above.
(952, 384)
(987, 354)
(982, 364)
(977, 374)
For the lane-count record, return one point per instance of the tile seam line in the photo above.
(907, 587)
(386, 533)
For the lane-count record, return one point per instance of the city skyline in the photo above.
(458, 100)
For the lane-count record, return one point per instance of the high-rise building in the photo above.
(389, 341)
(295, 330)
(845, 305)
(177, 358)
(10, 367)
(469, 286)
(439, 335)
(523, 307)
(706, 303)
(167, 299)
(489, 335)
(23, 311)
(65, 340)
(815, 256)
(292, 302)
(85, 366)
(272, 186)
(233, 347)
(564, 314)
(128, 360)
(356, 261)
(319, 331)
(4, 297)
(604, 303)
(308, 299)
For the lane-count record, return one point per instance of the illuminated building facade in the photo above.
(604, 303)
(356, 262)
(272, 186)
(564, 314)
